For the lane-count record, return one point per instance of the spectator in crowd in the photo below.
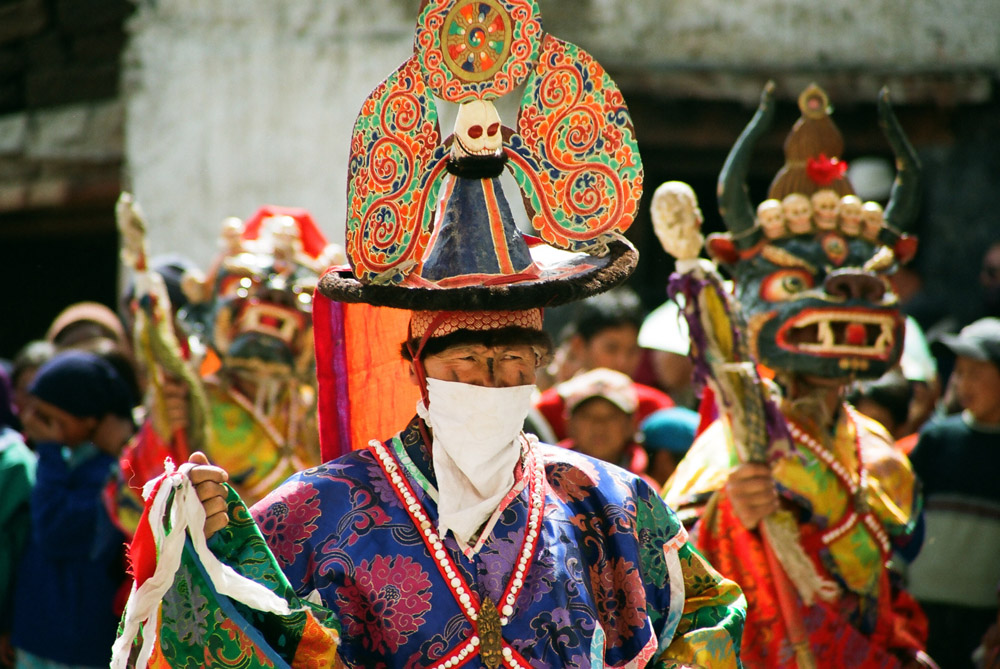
(82, 322)
(988, 305)
(17, 475)
(93, 327)
(600, 420)
(603, 333)
(886, 400)
(957, 458)
(920, 368)
(667, 435)
(665, 341)
(989, 280)
(79, 416)
(26, 362)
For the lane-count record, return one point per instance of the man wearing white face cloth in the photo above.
(472, 482)
(460, 541)
(569, 557)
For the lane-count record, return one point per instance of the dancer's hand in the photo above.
(752, 493)
(208, 480)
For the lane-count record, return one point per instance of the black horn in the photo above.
(904, 199)
(734, 201)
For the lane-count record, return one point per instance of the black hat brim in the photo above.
(575, 280)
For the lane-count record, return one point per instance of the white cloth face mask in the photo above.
(475, 448)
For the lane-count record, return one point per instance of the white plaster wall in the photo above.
(234, 103)
(945, 51)
(907, 34)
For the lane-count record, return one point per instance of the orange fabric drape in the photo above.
(382, 396)
(365, 390)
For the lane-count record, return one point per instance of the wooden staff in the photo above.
(157, 345)
(716, 321)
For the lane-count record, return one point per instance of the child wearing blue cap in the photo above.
(667, 435)
(79, 416)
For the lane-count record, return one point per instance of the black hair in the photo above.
(617, 307)
(892, 391)
(172, 269)
(126, 369)
(508, 336)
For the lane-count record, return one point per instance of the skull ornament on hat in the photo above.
(429, 227)
(812, 187)
(477, 130)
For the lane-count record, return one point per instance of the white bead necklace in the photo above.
(456, 583)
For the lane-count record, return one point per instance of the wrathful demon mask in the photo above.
(811, 262)
(255, 308)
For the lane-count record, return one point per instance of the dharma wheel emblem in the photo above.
(477, 49)
(477, 37)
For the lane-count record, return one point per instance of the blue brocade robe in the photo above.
(612, 580)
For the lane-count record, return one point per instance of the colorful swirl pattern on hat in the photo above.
(574, 155)
(396, 156)
(578, 161)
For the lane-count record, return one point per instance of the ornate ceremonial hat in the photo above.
(811, 195)
(303, 234)
(429, 226)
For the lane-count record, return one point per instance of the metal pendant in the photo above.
(490, 640)
(861, 501)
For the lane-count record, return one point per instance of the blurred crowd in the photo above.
(619, 388)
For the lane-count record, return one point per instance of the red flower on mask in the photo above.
(824, 171)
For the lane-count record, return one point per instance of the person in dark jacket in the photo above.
(79, 416)
(957, 458)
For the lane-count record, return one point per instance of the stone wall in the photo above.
(57, 52)
(60, 117)
(948, 50)
(61, 155)
(64, 156)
